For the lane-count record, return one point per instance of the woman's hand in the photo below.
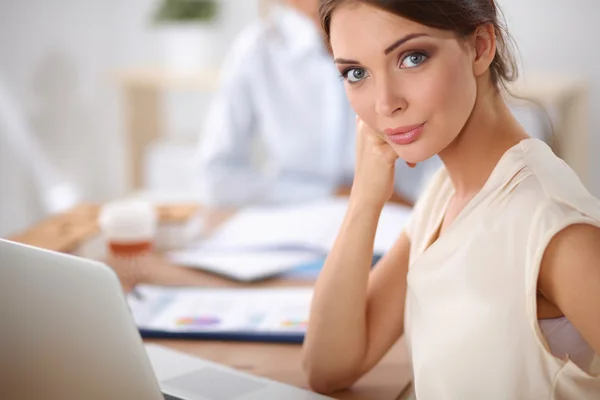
(375, 167)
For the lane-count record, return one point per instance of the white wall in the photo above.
(561, 36)
(57, 57)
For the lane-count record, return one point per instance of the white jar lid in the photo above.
(128, 221)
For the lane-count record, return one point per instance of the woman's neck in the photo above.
(490, 131)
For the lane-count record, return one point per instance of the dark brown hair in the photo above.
(460, 16)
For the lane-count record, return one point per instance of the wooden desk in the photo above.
(387, 381)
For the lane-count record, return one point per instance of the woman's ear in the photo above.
(484, 44)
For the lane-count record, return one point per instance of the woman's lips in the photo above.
(404, 135)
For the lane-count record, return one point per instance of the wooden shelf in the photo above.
(161, 79)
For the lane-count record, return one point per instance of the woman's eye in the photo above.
(413, 60)
(354, 75)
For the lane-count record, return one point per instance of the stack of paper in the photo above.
(262, 241)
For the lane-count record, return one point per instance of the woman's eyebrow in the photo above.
(344, 61)
(388, 50)
(401, 41)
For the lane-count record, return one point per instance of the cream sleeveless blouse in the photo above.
(471, 321)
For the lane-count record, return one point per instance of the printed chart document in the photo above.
(218, 313)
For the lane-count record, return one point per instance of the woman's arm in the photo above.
(570, 278)
(356, 315)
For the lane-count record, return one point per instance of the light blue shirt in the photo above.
(281, 92)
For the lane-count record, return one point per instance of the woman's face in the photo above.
(414, 85)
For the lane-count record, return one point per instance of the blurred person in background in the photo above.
(281, 96)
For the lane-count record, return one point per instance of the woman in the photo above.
(496, 280)
(280, 90)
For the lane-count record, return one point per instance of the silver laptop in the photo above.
(66, 333)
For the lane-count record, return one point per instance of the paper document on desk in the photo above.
(259, 242)
(244, 266)
(307, 226)
(312, 226)
(240, 314)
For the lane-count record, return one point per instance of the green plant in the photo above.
(186, 11)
